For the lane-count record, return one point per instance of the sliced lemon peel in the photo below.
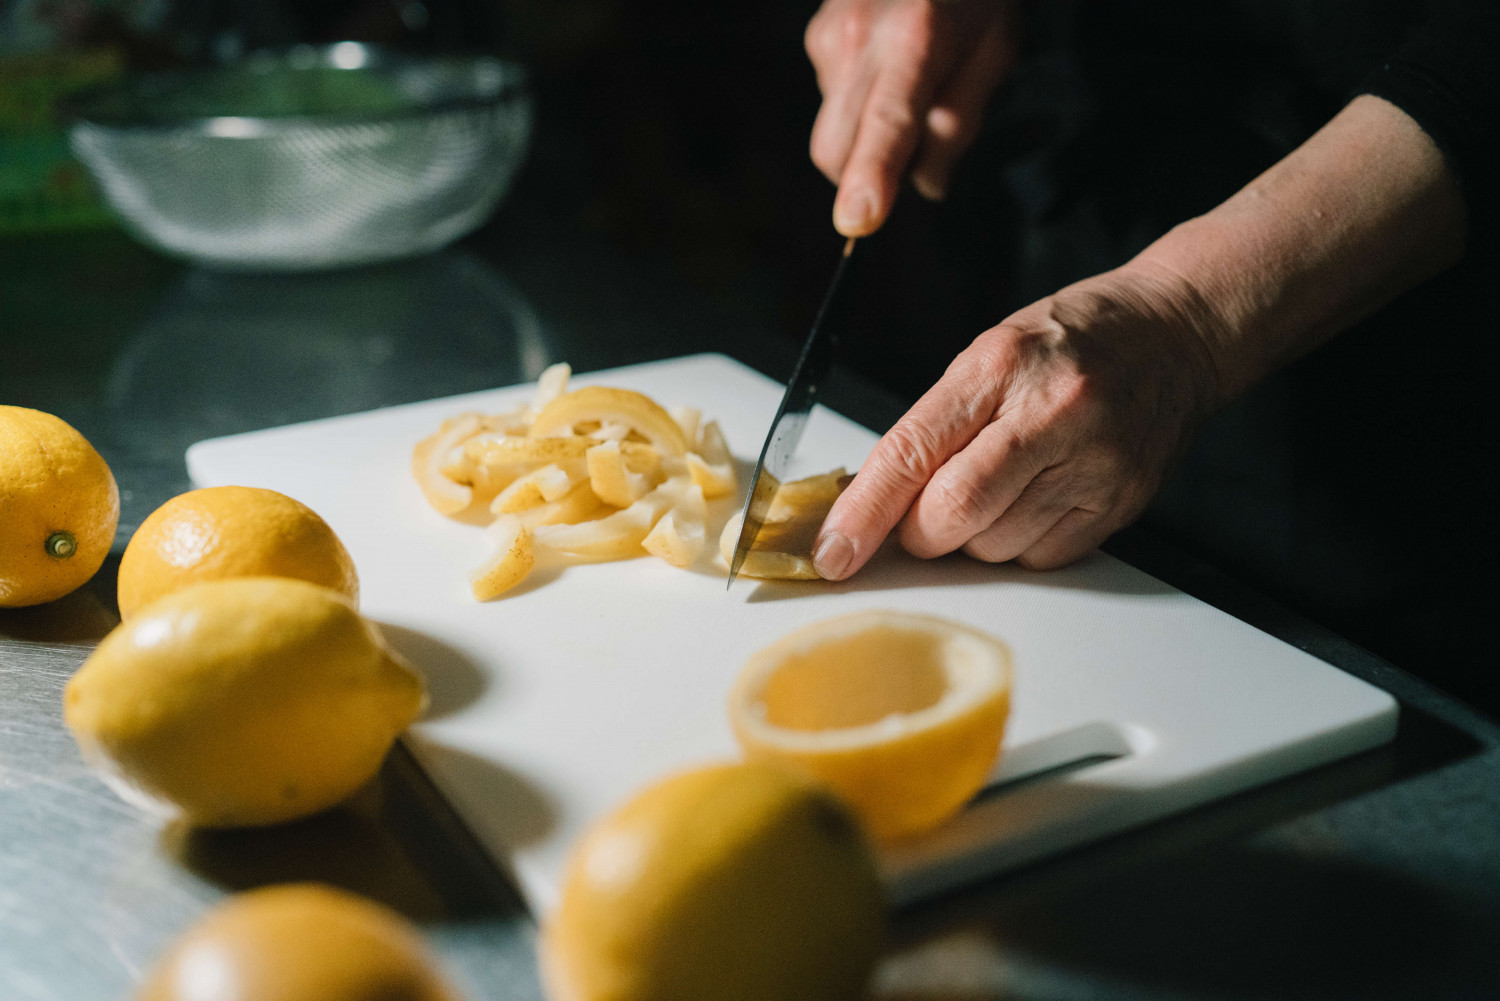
(615, 536)
(688, 419)
(511, 559)
(552, 383)
(579, 504)
(431, 457)
(589, 474)
(680, 534)
(611, 479)
(610, 405)
(782, 549)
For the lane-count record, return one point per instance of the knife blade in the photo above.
(791, 417)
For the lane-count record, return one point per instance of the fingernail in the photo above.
(833, 556)
(852, 214)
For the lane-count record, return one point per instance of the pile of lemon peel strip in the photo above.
(590, 474)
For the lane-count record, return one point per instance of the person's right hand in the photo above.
(904, 84)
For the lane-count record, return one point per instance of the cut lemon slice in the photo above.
(616, 536)
(542, 485)
(512, 456)
(783, 548)
(716, 479)
(517, 454)
(610, 478)
(608, 405)
(676, 539)
(901, 714)
(551, 384)
(577, 505)
(619, 535)
(688, 419)
(511, 559)
(710, 463)
(431, 455)
(680, 535)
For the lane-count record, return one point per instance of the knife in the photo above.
(796, 403)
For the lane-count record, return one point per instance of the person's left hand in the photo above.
(1051, 431)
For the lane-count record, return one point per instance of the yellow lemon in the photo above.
(221, 532)
(741, 882)
(59, 507)
(298, 942)
(901, 714)
(241, 702)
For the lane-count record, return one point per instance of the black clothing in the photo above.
(1354, 485)
(1447, 78)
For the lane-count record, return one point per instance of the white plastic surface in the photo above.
(555, 703)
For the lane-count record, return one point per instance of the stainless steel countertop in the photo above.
(1376, 877)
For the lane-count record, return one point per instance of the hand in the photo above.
(904, 84)
(1055, 428)
(1050, 432)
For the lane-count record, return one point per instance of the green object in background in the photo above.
(267, 90)
(42, 187)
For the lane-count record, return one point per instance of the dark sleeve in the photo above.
(1447, 78)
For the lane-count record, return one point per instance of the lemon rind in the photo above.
(981, 672)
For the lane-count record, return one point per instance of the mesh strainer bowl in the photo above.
(307, 158)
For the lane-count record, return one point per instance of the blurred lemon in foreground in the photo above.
(901, 714)
(298, 942)
(220, 532)
(242, 702)
(59, 507)
(744, 882)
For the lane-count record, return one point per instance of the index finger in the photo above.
(884, 142)
(940, 424)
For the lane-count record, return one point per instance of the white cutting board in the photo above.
(555, 703)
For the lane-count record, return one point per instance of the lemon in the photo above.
(740, 882)
(298, 942)
(59, 507)
(221, 532)
(241, 702)
(901, 714)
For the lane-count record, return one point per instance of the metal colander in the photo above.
(309, 158)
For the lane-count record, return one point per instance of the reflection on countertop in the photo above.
(223, 353)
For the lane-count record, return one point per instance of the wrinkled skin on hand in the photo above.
(1048, 433)
(904, 85)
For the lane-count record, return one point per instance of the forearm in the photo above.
(1362, 211)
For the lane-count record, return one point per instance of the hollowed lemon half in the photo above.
(900, 714)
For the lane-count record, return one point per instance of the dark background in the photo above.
(1354, 487)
